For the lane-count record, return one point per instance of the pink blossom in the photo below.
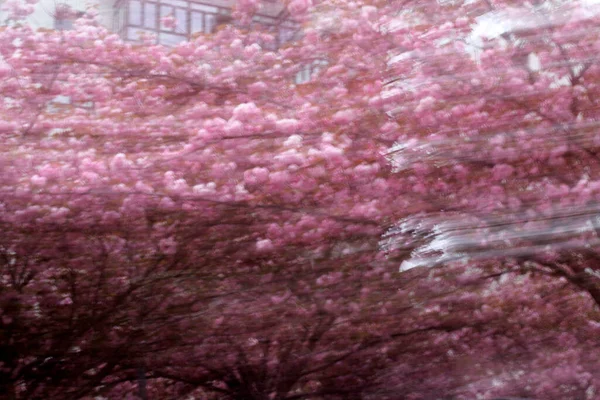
(256, 176)
(120, 162)
(169, 21)
(205, 188)
(502, 171)
(167, 203)
(257, 88)
(264, 245)
(144, 188)
(290, 156)
(288, 126)
(234, 128)
(179, 186)
(18, 9)
(37, 180)
(368, 12)
(345, 116)
(246, 112)
(66, 301)
(168, 246)
(248, 6)
(280, 299)
(297, 7)
(293, 141)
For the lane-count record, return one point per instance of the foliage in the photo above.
(187, 221)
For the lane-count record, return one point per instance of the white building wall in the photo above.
(129, 18)
(45, 11)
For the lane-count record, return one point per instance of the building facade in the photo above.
(192, 17)
(130, 18)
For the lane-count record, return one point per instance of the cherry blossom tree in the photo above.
(151, 195)
(515, 146)
(188, 221)
(494, 102)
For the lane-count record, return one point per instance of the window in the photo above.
(169, 39)
(64, 16)
(135, 12)
(210, 20)
(181, 18)
(119, 19)
(309, 71)
(202, 22)
(197, 21)
(286, 34)
(165, 11)
(133, 33)
(303, 75)
(150, 16)
(207, 9)
(191, 17)
(63, 24)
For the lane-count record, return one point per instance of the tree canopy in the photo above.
(417, 220)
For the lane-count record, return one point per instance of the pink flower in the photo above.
(169, 22)
(168, 246)
(264, 245)
(37, 180)
(18, 9)
(234, 128)
(257, 88)
(293, 141)
(280, 299)
(502, 171)
(256, 175)
(345, 116)
(287, 126)
(66, 301)
(248, 6)
(297, 7)
(120, 162)
(246, 112)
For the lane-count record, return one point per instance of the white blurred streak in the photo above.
(439, 238)
(533, 62)
(530, 228)
(550, 13)
(483, 147)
